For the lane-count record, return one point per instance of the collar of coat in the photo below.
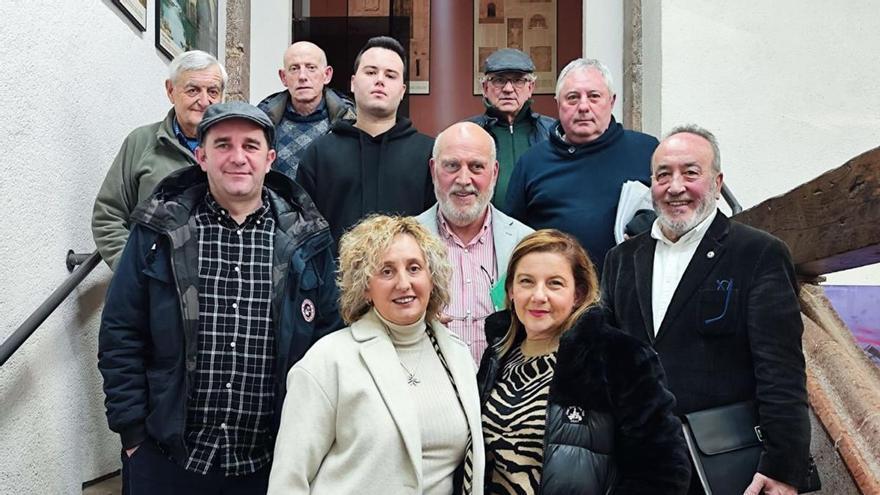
(176, 197)
(593, 359)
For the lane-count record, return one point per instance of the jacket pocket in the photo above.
(164, 309)
(716, 309)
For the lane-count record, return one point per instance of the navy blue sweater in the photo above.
(575, 188)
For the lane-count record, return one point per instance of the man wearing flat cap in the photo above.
(508, 82)
(225, 282)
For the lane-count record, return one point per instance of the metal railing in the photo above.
(87, 263)
(727, 194)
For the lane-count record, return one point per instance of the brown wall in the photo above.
(452, 37)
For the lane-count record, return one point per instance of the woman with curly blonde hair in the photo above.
(389, 404)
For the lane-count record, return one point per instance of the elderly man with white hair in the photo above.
(572, 181)
(478, 237)
(149, 153)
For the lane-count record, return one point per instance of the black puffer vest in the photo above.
(609, 425)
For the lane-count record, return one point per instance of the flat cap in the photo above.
(236, 110)
(508, 59)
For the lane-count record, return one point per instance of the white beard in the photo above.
(680, 227)
(461, 217)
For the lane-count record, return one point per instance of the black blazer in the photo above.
(732, 332)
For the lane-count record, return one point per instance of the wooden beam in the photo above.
(830, 223)
(844, 388)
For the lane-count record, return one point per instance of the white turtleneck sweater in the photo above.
(442, 422)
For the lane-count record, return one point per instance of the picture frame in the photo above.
(527, 25)
(183, 25)
(135, 11)
(419, 14)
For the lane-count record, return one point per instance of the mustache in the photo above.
(464, 189)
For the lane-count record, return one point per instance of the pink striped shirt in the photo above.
(473, 273)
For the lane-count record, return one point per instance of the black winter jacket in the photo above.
(148, 343)
(542, 125)
(339, 107)
(350, 174)
(609, 424)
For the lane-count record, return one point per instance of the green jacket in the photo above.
(146, 157)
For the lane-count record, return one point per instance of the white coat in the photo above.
(349, 424)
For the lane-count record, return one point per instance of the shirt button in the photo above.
(222, 426)
(467, 281)
(466, 251)
(232, 344)
(468, 312)
(237, 268)
(238, 232)
(234, 305)
(228, 385)
(258, 222)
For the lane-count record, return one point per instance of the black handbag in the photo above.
(725, 444)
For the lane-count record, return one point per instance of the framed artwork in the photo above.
(135, 10)
(183, 25)
(419, 14)
(527, 25)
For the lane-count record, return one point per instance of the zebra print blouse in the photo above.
(513, 423)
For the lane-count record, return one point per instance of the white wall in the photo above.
(789, 87)
(270, 36)
(603, 40)
(77, 78)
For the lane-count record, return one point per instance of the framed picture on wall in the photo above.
(183, 25)
(135, 10)
(419, 14)
(527, 25)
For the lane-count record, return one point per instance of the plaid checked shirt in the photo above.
(230, 413)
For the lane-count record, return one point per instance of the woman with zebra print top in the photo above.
(571, 405)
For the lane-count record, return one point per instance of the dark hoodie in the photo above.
(350, 174)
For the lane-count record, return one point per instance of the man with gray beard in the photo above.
(718, 302)
(479, 238)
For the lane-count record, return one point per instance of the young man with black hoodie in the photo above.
(379, 164)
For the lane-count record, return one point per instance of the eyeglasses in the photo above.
(500, 82)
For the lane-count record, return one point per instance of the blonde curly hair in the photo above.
(360, 257)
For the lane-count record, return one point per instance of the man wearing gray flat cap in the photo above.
(508, 82)
(225, 282)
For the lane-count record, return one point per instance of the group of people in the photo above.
(310, 296)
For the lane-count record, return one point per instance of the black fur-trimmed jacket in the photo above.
(609, 424)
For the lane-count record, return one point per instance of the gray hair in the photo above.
(493, 154)
(703, 133)
(529, 76)
(584, 64)
(194, 60)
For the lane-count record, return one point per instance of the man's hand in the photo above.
(764, 485)
(130, 452)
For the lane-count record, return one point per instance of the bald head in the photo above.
(464, 171)
(301, 48)
(305, 73)
(467, 132)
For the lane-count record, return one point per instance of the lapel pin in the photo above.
(710, 254)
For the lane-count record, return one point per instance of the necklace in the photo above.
(411, 377)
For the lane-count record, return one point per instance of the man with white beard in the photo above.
(718, 302)
(479, 238)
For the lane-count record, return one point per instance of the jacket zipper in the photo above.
(185, 401)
